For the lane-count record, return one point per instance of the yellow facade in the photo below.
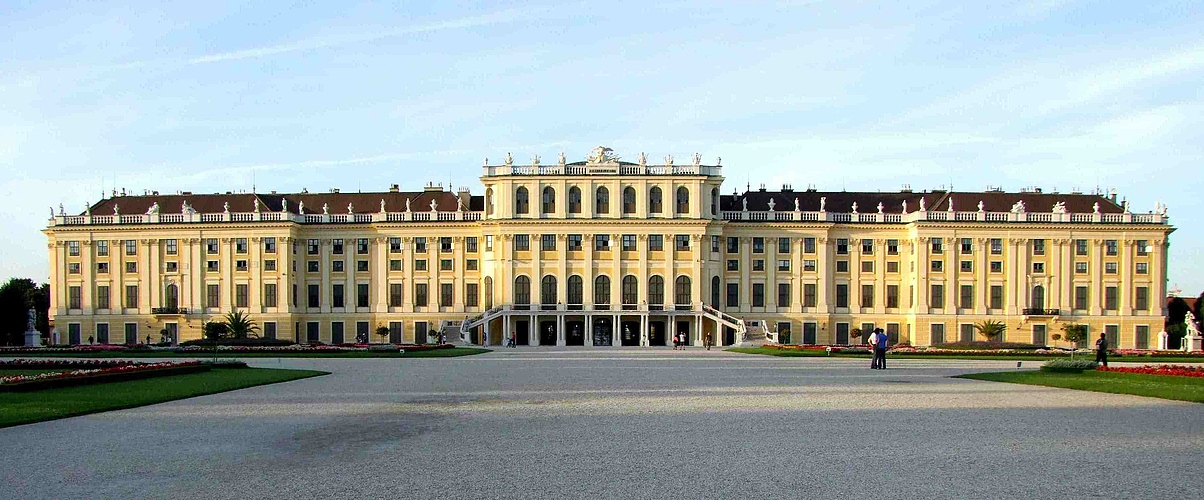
(531, 258)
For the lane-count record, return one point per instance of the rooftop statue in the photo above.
(643, 159)
(407, 204)
(87, 209)
(1018, 207)
(509, 160)
(325, 209)
(535, 160)
(718, 160)
(434, 205)
(697, 159)
(950, 204)
(669, 160)
(980, 206)
(226, 207)
(350, 209)
(256, 204)
(561, 159)
(904, 207)
(823, 201)
(284, 204)
(879, 208)
(154, 209)
(923, 204)
(1059, 208)
(301, 207)
(744, 203)
(382, 205)
(1095, 208)
(854, 207)
(796, 209)
(61, 210)
(459, 204)
(602, 154)
(772, 204)
(116, 209)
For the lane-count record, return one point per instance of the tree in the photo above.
(239, 325)
(1073, 333)
(16, 297)
(1176, 321)
(383, 332)
(215, 331)
(990, 329)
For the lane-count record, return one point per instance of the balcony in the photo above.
(169, 311)
(1036, 311)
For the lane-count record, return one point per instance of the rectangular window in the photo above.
(213, 296)
(997, 266)
(361, 266)
(269, 295)
(470, 265)
(102, 248)
(311, 266)
(445, 294)
(395, 294)
(314, 296)
(420, 294)
(269, 246)
(759, 265)
(733, 295)
(269, 329)
(867, 266)
(470, 244)
(470, 294)
(1141, 337)
(783, 295)
(337, 298)
(102, 267)
(842, 266)
(420, 244)
(394, 245)
(937, 333)
(240, 265)
(522, 242)
(938, 266)
(808, 245)
(131, 333)
(131, 267)
(361, 246)
(867, 295)
(547, 242)
(172, 247)
(1038, 268)
(967, 333)
(842, 246)
(131, 296)
(361, 295)
(682, 243)
(996, 297)
(1038, 247)
(842, 295)
(892, 247)
(1080, 268)
(1143, 248)
(809, 294)
(1141, 298)
(131, 247)
(336, 246)
(936, 299)
(73, 268)
(420, 265)
(1080, 247)
(1080, 298)
(714, 244)
(892, 296)
(1142, 268)
(758, 245)
(733, 265)
(74, 296)
(967, 297)
(758, 295)
(311, 246)
(445, 264)
(489, 243)
(1111, 247)
(867, 246)
(809, 265)
(629, 243)
(240, 295)
(240, 245)
(783, 245)
(445, 244)
(602, 242)
(733, 244)
(269, 265)
(996, 246)
(1109, 268)
(102, 297)
(783, 264)
(656, 243)
(967, 266)
(967, 246)
(1111, 298)
(395, 265)
(337, 266)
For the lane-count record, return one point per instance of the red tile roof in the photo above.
(892, 203)
(362, 203)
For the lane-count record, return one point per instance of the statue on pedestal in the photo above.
(301, 207)
(772, 203)
(923, 205)
(434, 205)
(325, 209)
(407, 204)
(823, 202)
(904, 207)
(284, 204)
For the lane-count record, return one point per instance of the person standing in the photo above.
(883, 343)
(706, 340)
(1101, 350)
(872, 338)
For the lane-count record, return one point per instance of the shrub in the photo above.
(251, 341)
(383, 348)
(986, 345)
(227, 363)
(1067, 365)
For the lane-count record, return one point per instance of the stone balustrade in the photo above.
(941, 216)
(77, 220)
(601, 169)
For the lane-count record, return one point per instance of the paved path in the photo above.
(563, 423)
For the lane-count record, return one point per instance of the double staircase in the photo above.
(729, 321)
(743, 335)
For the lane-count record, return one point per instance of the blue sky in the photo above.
(207, 96)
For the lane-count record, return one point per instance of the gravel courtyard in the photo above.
(557, 423)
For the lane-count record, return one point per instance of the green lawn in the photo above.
(18, 408)
(1156, 386)
(797, 353)
(434, 353)
(31, 371)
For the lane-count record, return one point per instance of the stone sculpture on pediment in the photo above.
(154, 209)
(823, 202)
(256, 205)
(116, 209)
(772, 203)
(923, 204)
(1059, 208)
(434, 205)
(325, 209)
(301, 207)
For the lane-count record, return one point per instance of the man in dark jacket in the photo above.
(1101, 350)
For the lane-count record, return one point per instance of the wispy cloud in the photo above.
(502, 17)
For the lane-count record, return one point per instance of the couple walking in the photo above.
(878, 344)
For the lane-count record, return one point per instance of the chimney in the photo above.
(394, 188)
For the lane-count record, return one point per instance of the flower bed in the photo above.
(1172, 370)
(63, 364)
(318, 348)
(129, 371)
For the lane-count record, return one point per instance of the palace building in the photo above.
(606, 252)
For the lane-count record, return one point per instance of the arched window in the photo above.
(681, 290)
(171, 296)
(631, 290)
(489, 201)
(714, 201)
(1038, 301)
(574, 200)
(602, 290)
(547, 290)
(549, 200)
(629, 200)
(576, 290)
(603, 203)
(715, 292)
(521, 201)
(488, 292)
(656, 291)
(654, 200)
(522, 290)
(683, 200)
